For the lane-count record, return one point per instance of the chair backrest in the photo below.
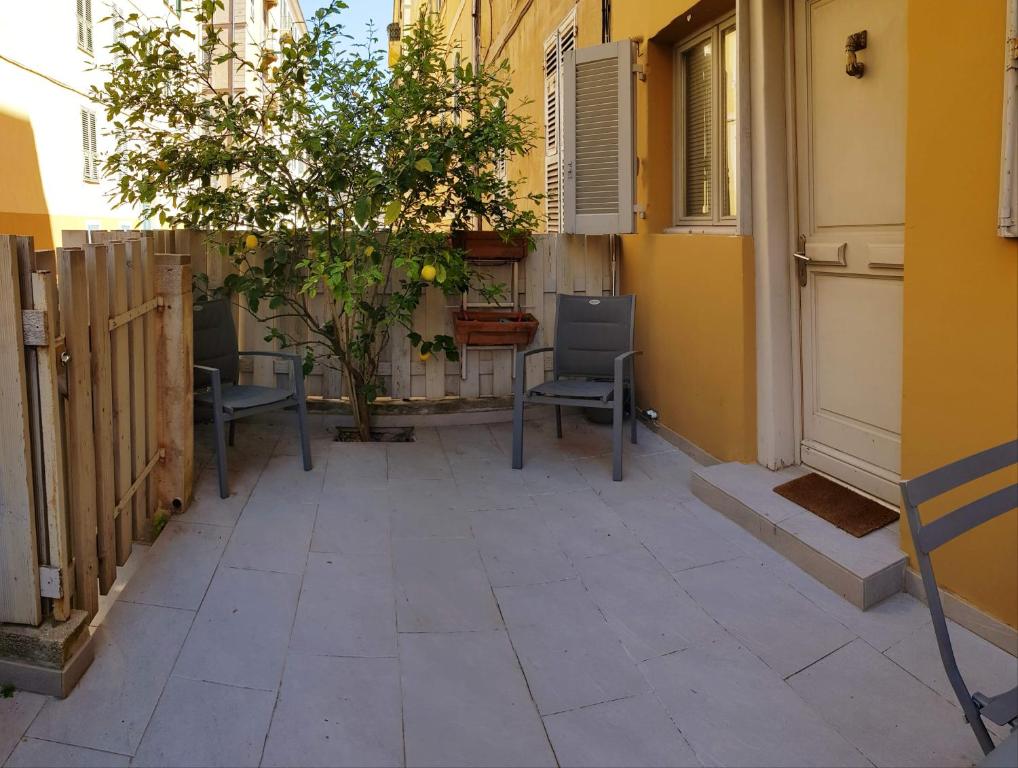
(590, 332)
(936, 533)
(215, 341)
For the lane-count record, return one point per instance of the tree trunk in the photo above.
(358, 405)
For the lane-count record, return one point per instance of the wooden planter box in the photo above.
(493, 327)
(489, 246)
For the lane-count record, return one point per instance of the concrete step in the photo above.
(864, 571)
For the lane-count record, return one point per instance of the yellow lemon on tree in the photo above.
(424, 356)
(428, 272)
(251, 242)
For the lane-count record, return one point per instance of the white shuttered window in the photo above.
(562, 40)
(90, 167)
(597, 136)
(84, 8)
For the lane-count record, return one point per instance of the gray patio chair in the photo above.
(593, 348)
(1002, 708)
(216, 370)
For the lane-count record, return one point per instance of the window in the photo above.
(561, 40)
(85, 25)
(706, 136)
(90, 168)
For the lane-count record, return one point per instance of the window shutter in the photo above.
(597, 136)
(698, 123)
(84, 8)
(89, 151)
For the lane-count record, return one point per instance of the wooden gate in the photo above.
(95, 404)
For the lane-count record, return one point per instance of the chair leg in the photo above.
(233, 428)
(302, 429)
(632, 410)
(518, 431)
(558, 421)
(617, 416)
(220, 427)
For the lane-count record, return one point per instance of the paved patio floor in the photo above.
(423, 604)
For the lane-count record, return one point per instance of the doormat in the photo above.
(378, 435)
(850, 511)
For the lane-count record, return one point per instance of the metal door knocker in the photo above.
(856, 42)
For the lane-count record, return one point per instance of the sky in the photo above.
(356, 17)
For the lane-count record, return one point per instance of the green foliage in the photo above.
(7, 691)
(350, 175)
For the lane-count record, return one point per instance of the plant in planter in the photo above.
(347, 176)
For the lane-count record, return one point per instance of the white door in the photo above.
(851, 188)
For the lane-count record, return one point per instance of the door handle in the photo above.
(801, 261)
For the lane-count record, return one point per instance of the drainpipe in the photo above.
(475, 25)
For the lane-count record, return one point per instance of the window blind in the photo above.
(84, 8)
(90, 162)
(562, 40)
(698, 146)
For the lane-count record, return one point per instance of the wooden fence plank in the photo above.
(534, 303)
(174, 476)
(148, 287)
(26, 266)
(120, 358)
(97, 264)
(19, 566)
(51, 444)
(139, 439)
(80, 440)
(435, 314)
(595, 255)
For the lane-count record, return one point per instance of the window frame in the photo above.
(715, 222)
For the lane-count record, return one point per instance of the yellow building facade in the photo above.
(52, 136)
(837, 130)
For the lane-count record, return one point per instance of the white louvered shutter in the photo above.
(552, 160)
(84, 8)
(90, 162)
(597, 137)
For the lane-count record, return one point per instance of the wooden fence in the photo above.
(95, 410)
(558, 264)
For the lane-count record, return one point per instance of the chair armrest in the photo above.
(521, 368)
(212, 372)
(620, 363)
(215, 382)
(296, 367)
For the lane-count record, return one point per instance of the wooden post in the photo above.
(138, 439)
(51, 413)
(80, 444)
(19, 565)
(96, 258)
(148, 281)
(120, 363)
(174, 382)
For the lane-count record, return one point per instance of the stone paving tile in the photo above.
(466, 703)
(570, 655)
(16, 714)
(984, 667)
(649, 612)
(622, 733)
(336, 712)
(243, 471)
(427, 508)
(36, 753)
(583, 525)
(417, 461)
(889, 715)
(352, 521)
(272, 535)
(284, 479)
(202, 724)
(125, 573)
(355, 465)
(882, 625)
(676, 538)
(110, 707)
(517, 548)
(441, 586)
(734, 710)
(777, 623)
(179, 566)
(241, 633)
(347, 606)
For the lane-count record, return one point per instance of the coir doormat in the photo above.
(850, 511)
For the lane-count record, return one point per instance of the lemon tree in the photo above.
(347, 175)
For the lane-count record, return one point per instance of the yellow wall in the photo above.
(695, 304)
(960, 389)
